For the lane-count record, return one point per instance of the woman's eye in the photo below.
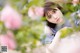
(49, 16)
(54, 10)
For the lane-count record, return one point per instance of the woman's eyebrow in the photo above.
(54, 9)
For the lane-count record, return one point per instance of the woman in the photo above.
(54, 20)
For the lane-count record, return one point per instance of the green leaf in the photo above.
(65, 31)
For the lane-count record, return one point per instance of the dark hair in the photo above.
(50, 6)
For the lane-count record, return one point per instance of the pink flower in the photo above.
(39, 11)
(8, 40)
(75, 2)
(35, 12)
(11, 19)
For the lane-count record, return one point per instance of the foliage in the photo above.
(31, 30)
(65, 31)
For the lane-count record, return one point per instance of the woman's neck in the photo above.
(52, 25)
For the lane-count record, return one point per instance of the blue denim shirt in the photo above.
(49, 37)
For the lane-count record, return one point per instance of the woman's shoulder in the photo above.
(47, 30)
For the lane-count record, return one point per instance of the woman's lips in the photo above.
(57, 20)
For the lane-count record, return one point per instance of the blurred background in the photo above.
(22, 24)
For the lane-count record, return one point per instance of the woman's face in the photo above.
(55, 16)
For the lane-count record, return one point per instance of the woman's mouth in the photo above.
(57, 20)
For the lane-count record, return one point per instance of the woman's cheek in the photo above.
(61, 20)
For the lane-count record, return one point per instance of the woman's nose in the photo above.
(54, 16)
